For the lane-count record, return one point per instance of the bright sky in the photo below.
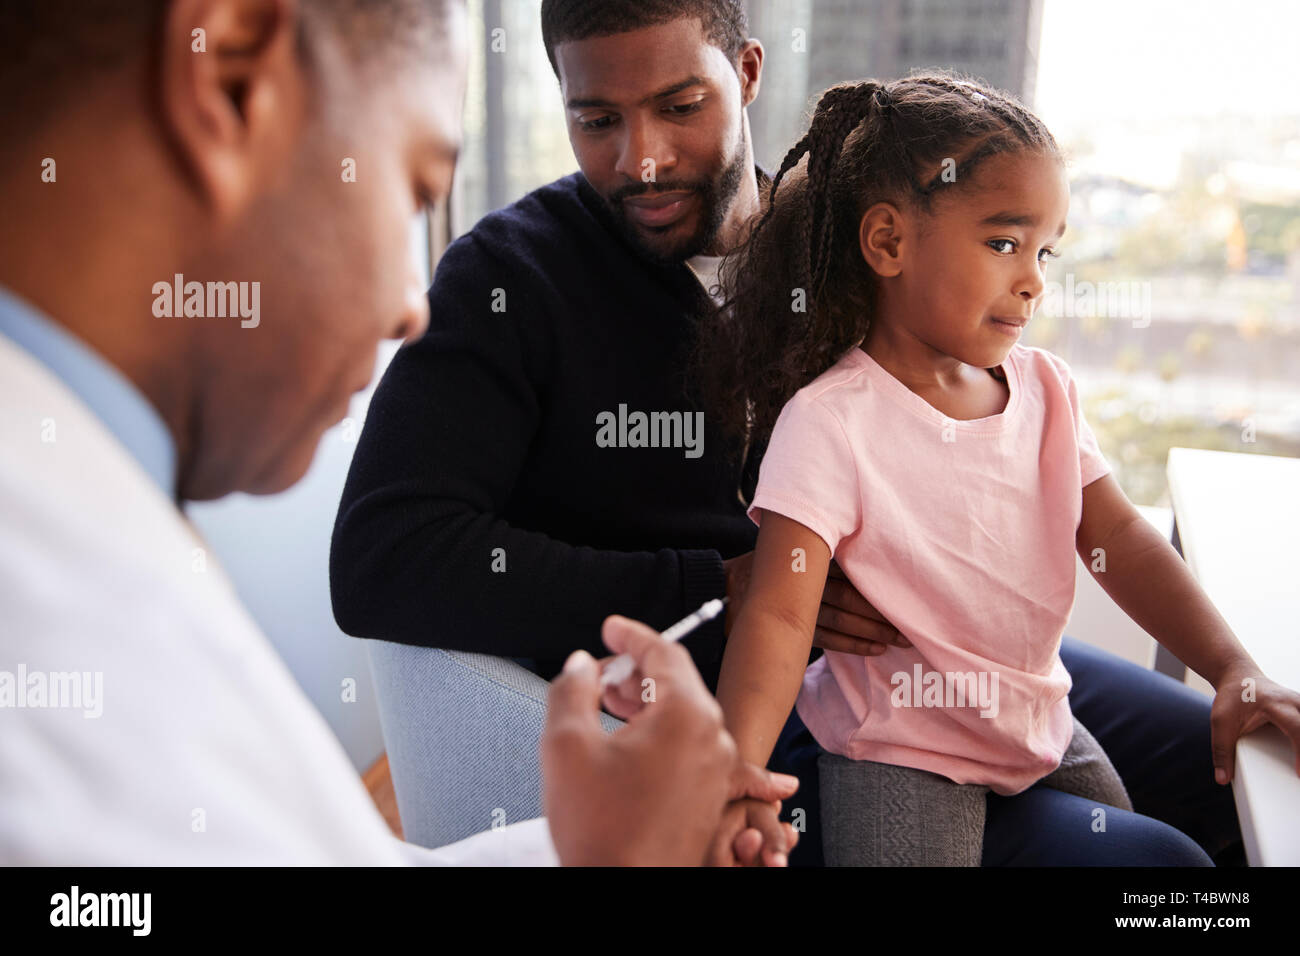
(1148, 58)
(1121, 70)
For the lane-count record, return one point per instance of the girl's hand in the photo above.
(1244, 701)
(751, 834)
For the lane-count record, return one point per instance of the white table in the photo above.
(1237, 517)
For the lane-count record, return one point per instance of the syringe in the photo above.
(623, 666)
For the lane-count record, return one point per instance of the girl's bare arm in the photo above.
(1144, 575)
(767, 652)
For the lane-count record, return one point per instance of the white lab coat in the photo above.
(206, 751)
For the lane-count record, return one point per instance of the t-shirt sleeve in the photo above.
(809, 473)
(1092, 464)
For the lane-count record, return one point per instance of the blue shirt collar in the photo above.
(107, 392)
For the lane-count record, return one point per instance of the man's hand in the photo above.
(653, 792)
(846, 622)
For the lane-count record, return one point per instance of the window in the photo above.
(1177, 296)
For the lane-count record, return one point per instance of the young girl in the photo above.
(871, 335)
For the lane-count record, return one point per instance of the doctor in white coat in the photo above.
(207, 205)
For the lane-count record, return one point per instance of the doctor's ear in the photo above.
(880, 237)
(232, 94)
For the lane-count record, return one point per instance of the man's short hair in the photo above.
(725, 24)
(51, 49)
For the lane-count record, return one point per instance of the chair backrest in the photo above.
(462, 732)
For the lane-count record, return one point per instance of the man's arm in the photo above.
(421, 553)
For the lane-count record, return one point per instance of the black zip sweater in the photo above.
(485, 509)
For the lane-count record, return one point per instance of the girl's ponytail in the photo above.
(839, 111)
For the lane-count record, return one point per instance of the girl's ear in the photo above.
(880, 238)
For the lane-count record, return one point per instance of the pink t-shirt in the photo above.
(961, 533)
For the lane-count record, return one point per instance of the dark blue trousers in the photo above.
(1156, 732)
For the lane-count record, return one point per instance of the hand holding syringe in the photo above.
(623, 666)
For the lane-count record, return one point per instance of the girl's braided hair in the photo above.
(868, 142)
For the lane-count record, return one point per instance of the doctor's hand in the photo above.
(652, 793)
(846, 620)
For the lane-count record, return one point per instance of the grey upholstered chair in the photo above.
(462, 732)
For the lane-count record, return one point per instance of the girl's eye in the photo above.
(596, 125)
(1008, 246)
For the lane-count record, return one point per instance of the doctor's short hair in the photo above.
(51, 49)
(725, 23)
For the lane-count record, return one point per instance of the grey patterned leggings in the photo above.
(877, 814)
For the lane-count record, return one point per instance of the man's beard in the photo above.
(715, 199)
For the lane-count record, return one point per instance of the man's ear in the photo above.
(881, 235)
(750, 69)
(232, 94)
